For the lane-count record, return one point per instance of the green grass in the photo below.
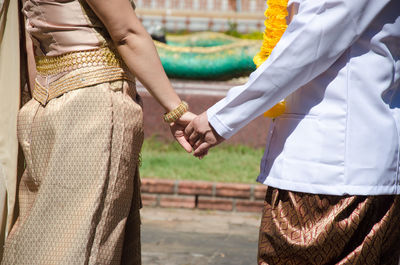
(224, 163)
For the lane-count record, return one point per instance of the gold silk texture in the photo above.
(80, 192)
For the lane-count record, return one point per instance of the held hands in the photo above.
(177, 129)
(195, 133)
(201, 136)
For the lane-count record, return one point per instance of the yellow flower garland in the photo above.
(275, 26)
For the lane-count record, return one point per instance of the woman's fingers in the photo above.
(184, 143)
(178, 133)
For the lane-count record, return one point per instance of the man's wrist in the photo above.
(219, 127)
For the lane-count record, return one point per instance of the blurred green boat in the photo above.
(207, 56)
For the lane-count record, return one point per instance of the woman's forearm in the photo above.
(140, 55)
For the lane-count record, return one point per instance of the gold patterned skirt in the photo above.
(79, 197)
(300, 228)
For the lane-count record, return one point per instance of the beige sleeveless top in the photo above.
(63, 26)
(72, 47)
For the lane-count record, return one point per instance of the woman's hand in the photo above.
(177, 129)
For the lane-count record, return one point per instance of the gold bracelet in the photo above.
(175, 114)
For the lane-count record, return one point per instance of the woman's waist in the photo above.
(67, 62)
(59, 74)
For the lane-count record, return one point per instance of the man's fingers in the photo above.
(193, 138)
(203, 155)
(186, 118)
(198, 143)
(189, 130)
(202, 149)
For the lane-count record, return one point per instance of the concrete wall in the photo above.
(251, 6)
(202, 15)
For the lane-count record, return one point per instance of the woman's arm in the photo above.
(136, 48)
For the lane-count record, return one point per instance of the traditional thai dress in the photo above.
(81, 135)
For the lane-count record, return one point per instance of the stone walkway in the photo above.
(195, 237)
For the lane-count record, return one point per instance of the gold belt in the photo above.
(50, 65)
(86, 68)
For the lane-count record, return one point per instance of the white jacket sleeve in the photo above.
(317, 36)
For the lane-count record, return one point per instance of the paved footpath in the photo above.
(196, 237)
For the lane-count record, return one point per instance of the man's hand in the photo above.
(177, 130)
(201, 135)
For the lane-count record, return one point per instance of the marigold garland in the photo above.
(275, 26)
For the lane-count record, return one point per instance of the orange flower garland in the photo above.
(275, 26)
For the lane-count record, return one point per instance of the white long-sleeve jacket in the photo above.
(338, 66)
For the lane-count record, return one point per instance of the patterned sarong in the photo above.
(300, 228)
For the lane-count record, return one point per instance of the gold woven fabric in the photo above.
(77, 70)
(78, 79)
(308, 229)
(79, 196)
(50, 65)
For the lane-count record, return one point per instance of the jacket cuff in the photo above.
(219, 126)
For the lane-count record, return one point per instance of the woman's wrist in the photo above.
(176, 113)
(170, 106)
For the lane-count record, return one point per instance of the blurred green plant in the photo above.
(225, 163)
(256, 35)
(233, 31)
